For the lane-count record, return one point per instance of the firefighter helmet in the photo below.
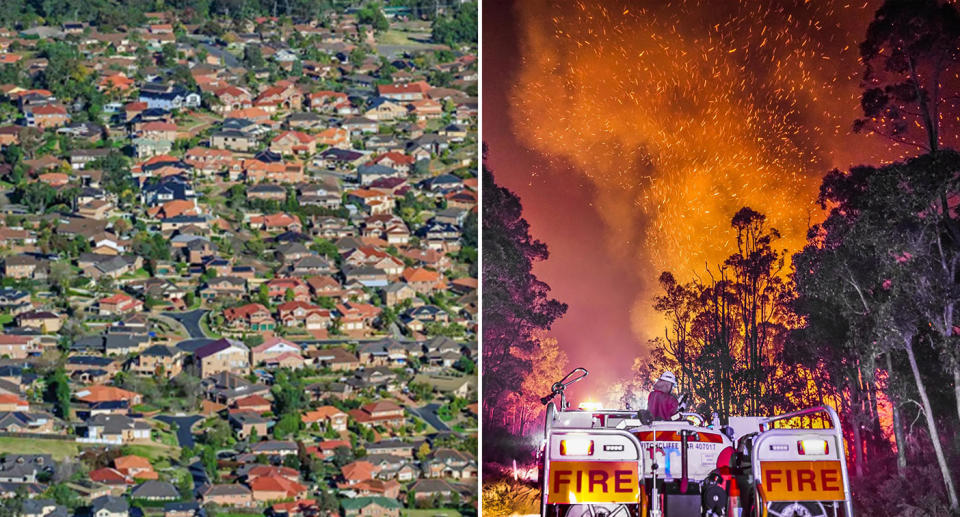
(669, 377)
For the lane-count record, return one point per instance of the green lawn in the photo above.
(397, 37)
(205, 327)
(59, 449)
(438, 512)
(153, 453)
(5, 318)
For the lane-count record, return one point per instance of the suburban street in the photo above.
(429, 414)
(190, 321)
(184, 423)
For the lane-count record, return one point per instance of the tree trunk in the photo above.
(857, 454)
(932, 427)
(876, 430)
(897, 425)
(956, 383)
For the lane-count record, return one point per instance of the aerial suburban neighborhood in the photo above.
(239, 258)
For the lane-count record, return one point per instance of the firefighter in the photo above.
(661, 403)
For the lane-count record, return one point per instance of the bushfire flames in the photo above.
(679, 113)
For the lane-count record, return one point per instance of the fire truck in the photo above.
(622, 463)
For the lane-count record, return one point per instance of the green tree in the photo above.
(461, 28)
(326, 248)
(168, 54)
(516, 304)
(909, 50)
(423, 452)
(58, 392)
(37, 196)
(288, 425)
(64, 495)
(253, 56)
(342, 456)
(373, 15)
(208, 457)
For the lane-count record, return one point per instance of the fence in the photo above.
(42, 436)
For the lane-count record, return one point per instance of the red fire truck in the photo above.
(622, 463)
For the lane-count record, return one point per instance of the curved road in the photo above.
(190, 321)
(184, 425)
(429, 413)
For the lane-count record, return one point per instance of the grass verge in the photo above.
(59, 449)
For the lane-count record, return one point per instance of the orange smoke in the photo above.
(680, 113)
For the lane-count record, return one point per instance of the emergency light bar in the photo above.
(576, 447)
(813, 447)
(590, 406)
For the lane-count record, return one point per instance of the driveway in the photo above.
(429, 413)
(190, 321)
(200, 480)
(184, 423)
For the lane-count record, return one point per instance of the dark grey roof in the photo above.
(159, 351)
(226, 489)
(110, 503)
(274, 445)
(154, 489)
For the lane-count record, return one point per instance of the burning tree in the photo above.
(726, 331)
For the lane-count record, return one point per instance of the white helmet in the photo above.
(669, 377)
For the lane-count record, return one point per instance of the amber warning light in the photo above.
(576, 447)
(813, 447)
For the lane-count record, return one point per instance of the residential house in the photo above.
(119, 303)
(252, 316)
(231, 495)
(158, 361)
(432, 488)
(302, 314)
(449, 463)
(275, 488)
(48, 116)
(222, 355)
(136, 467)
(233, 140)
(155, 490)
(113, 429)
(337, 359)
(44, 321)
(224, 287)
(100, 393)
(293, 143)
(27, 422)
(232, 98)
(404, 92)
(379, 413)
(327, 417)
(371, 507)
(272, 348)
(274, 448)
(19, 346)
(168, 97)
(284, 95)
(245, 423)
(109, 506)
